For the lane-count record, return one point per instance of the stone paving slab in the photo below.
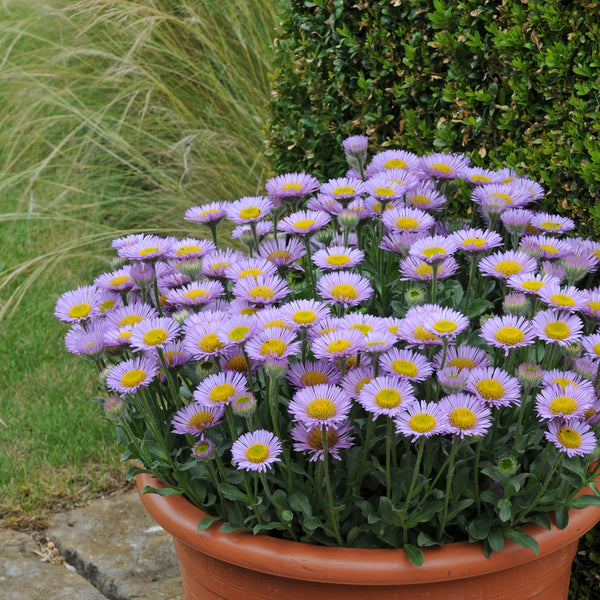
(117, 547)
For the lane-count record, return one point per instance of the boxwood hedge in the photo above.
(512, 82)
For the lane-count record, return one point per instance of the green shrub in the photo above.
(516, 82)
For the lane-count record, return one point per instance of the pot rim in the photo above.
(327, 564)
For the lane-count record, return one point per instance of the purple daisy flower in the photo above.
(282, 253)
(202, 340)
(569, 401)
(467, 416)
(552, 223)
(256, 450)
(220, 388)
(343, 188)
(89, 341)
(197, 293)
(304, 222)
(192, 248)
(153, 333)
(464, 357)
(78, 305)
(494, 386)
(425, 197)
(591, 345)
(175, 354)
(355, 379)
(377, 342)
(382, 187)
(392, 159)
(195, 418)
(406, 364)
(308, 373)
(453, 379)
(565, 378)
(516, 220)
(348, 289)
(476, 240)
(325, 203)
(363, 322)
(216, 263)
(507, 332)
(320, 404)
(334, 258)
(119, 280)
(250, 267)
(420, 270)
(571, 436)
(569, 299)
(207, 213)
(248, 209)
(127, 240)
(202, 448)
(480, 176)
(411, 329)
(444, 166)
(127, 376)
(342, 343)
(385, 395)
(400, 243)
(505, 264)
(304, 313)
(150, 247)
(400, 220)
(310, 439)
(444, 322)
(355, 144)
(244, 232)
(422, 419)
(433, 248)
(271, 317)
(261, 290)
(237, 330)
(557, 327)
(514, 196)
(545, 246)
(291, 185)
(273, 345)
(529, 283)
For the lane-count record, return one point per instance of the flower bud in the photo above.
(529, 375)
(244, 405)
(516, 304)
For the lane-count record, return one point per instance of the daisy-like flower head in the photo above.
(342, 343)
(547, 267)
(507, 332)
(308, 373)
(504, 264)
(202, 340)
(363, 322)
(216, 263)
(325, 203)
(321, 404)
(343, 188)
(195, 418)
(273, 345)
(476, 240)
(409, 180)
(88, 341)
(591, 345)
(129, 375)
(174, 354)
(310, 439)
(250, 267)
(557, 327)
(445, 322)
(151, 247)
(237, 330)
(444, 166)
(244, 232)
(203, 448)
(480, 176)
(529, 283)
(196, 293)
(119, 280)
(233, 359)
(411, 328)
(192, 248)
(355, 144)
(516, 220)
(335, 258)
(569, 298)
(127, 240)
(564, 378)
(248, 209)
(411, 220)
(571, 436)
(406, 364)
(78, 305)
(453, 379)
(467, 415)
(153, 333)
(207, 213)
(568, 401)
(304, 222)
(271, 317)
(514, 196)
(433, 248)
(282, 253)
(422, 419)
(554, 224)
(348, 289)
(380, 341)
(392, 159)
(304, 313)
(494, 386)
(400, 243)
(386, 395)
(545, 246)
(578, 264)
(355, 379)
(425, 197)
(463, 357)
(420, 270)
(262, 290)
(256, 450)
(291, 185)
(383, 188)
(220, 388)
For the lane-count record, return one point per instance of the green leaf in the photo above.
(388, 513)
(585, 500)
(230, 492)
(425, 540)
(478, 306)
(168, 491)
(561, 517)
(523, 539)
(133, 471)
(459, 507)
(496, 539)
(426, 513)
(206, 522)
(300, 503)
(311, 524)
(414, 554)
(504, 510)
(228, 528)
(480, 528)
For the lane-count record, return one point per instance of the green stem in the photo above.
(388, 451)
(472, 272)
(416, 468)
(476, 475)
(171, 382)
(449, 477)
(333, 513)
(263, 478)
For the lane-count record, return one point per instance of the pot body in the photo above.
(240, 566)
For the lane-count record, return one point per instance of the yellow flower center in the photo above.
(304, 224)
(321, 408)
(463, 418)
(508, 267)
(405, 367)
(387, 398)
(257, 453)
(210, 342)
(133, 378)
(344, 291)
(219, 266)
(442, 168)
(291, 186)
(201, 419)
(170, 356)
(261, 292)
(562, 300)
(550, 225)
(191, 249)
(250, 212)
(503, 196)
(344, 190)
(549, 249)
(153, 337)
(237, 363)
(130, 320)
(250, 273)
(221, 393)
(116, 281)
(276, 323)
(563, 405)
(281, 254)
(106, 305)
(422, 422)
(314, 378)
(568, 437)
(315, 438)
(533, 284)
(593, 306)
(509, 336)
(461, 363)
(407, 223)
(384, 191)
(364, 328)
(421, 334)
(480, 178)
(273, 347)
(564, 382)
(490, 389)
(338, 346)
(596, 349)
(444, 326)
(361, 384)
(195, 294)
(210, 211)
(420, 200)
(80, 311)
(149, 250)
(433, 250)
(557, 330)
(395, 163)
(304, 316)
(424, 270)
(478, 242)
(239, 333)
(337, 260)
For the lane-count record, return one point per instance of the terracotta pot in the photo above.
(240, 566)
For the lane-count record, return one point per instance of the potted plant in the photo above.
(402, 364)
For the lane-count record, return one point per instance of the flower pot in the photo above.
(236, 566)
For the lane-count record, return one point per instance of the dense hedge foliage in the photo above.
(514, 82)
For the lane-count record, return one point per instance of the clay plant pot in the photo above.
(241, 566)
